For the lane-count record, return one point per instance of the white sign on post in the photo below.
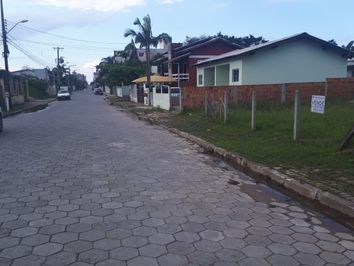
(318, 104)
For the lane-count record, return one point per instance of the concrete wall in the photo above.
(236, 64)
(299, 61)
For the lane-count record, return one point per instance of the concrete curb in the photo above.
(332, 203)
(338, 208)
(29, 109)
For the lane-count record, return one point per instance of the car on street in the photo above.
(63, 95)
(1, 120)
(98, 91)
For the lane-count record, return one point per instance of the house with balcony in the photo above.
(180, 60)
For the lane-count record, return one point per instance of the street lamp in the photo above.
(6, 55)
(22, 21)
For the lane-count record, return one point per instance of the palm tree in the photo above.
(145, 38)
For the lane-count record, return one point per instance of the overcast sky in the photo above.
(91, 29)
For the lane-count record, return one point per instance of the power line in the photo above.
(69, 38)
(28, 53)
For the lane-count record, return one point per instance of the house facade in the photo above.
(183, 58)
(299, 58)
(351, 68)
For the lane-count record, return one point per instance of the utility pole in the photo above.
(58, 67)
(5, 55)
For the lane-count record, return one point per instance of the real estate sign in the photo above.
(318, 104)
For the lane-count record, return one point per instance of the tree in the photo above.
(244, 42)
(146, 39)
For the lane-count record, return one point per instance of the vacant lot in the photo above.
(314, 158)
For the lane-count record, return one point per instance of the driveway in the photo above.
(84, 184)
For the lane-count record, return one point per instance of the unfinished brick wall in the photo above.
(194, 97)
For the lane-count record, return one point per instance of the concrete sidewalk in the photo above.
(27, 107)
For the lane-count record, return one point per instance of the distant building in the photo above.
(38, 73)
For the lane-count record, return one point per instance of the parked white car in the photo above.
(1, 120)
(63, 95)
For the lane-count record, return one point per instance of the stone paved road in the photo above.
(83, 184)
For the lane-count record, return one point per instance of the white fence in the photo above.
(123, 91)
(161, 97)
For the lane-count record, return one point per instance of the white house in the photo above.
(299, 58)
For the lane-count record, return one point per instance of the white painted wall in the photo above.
(161, 100)
(200, 71)
(236, 64)
(299, 61)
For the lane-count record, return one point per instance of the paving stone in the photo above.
(347, 244)
(309, 259)
(52, 229)
(64, 237)
(207, 245)
(330, 246)
(106, 244)
(61, 258)
(7, 242)
(254, 262)
(212, 235)
(161, 239)
(152, 250)
(111, 262)
(30, 260)
(257, 240)
(93, 256)
(15, 252)
(153, 222)
(144, 231)
(134, 241)
(281, 260)
(92, 235)
(47, 249)
(169, 228)
(124, 253)
(282, 249)
(304, 238)
(336, 258)
(79, 227)
(180, 248)
(230, 255)
(119, 233)
(188, 237)
(306, 248)
(23, 232)
(35, 240)
(142, 261)
(78, 246)
(172, 260)
(232, 243)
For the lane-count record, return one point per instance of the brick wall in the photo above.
(193, 97)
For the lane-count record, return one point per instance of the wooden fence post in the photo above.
(283, 93)
(206, 102)
(296, 115)
(254, 103)
(226, 105)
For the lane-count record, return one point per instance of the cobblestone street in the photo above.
(84, 184)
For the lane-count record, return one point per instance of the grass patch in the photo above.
(316, 152)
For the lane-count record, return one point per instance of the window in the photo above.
(141, 54)
(200, 79)
(235, 75)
